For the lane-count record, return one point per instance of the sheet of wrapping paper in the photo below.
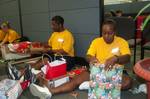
(105, 84)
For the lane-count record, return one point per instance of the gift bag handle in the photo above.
(58, 54)
(47, 56)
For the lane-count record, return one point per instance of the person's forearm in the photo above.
(91, 58)
(123, 59)
(88, 58)
(60, 51)
(4, 40)
(40, 50)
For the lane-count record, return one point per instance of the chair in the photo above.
(145, 37)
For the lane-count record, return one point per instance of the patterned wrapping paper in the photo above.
(105, 84)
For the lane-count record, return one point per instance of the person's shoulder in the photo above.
(12, 31)
(53, 34)
(67, 31)
(98, 39)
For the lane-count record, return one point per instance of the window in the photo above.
(108, 2)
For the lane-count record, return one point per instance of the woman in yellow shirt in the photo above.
(110, 53)
(2, 35)
(10, 34)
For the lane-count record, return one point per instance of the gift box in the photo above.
(37, 46)
(54, 69)
(9, 55)
(59, 81)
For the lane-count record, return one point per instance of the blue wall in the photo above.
(81, 18)
(9, 11)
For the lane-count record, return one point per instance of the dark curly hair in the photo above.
(58, 20)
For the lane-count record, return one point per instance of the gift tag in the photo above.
(115, 50)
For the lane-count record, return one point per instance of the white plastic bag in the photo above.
(10, 89)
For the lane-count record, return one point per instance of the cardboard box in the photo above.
(8, 55)
(59, 81)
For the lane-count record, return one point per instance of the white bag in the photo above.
(10, 89)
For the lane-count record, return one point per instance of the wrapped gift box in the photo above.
(38, 46)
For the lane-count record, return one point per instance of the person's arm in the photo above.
(44, 48)
(123, 59)
(91, 54)
(92, 59)
(60, 51)
(4, 40)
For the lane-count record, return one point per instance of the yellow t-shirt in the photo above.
(11, 36)
(2, 35)
(102, 51)
(62, 40)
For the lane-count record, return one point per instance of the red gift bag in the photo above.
(54, 69)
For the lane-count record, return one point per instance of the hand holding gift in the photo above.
(109, 63)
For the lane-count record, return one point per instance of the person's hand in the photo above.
(109, 64)
(94, 60)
